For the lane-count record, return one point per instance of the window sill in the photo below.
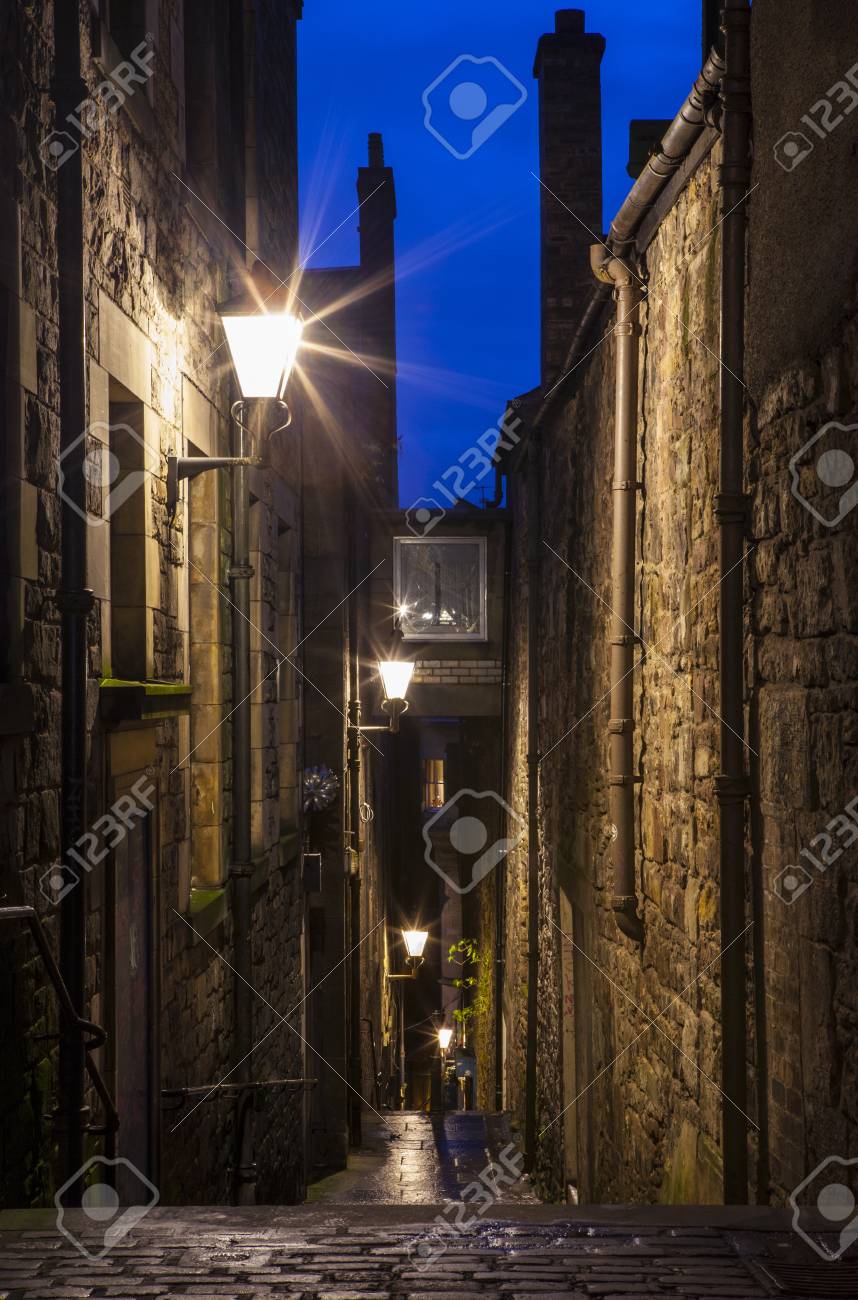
(122, 701)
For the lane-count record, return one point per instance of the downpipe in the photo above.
(623, 638)
(75, 599)
(731, 784)
(533, 759)
(241, 866)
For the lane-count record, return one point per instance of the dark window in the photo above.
(126, 22)
(440, 588)
(126, 490)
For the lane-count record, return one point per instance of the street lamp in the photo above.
(445, 1037)
(395, 677)
(415, 942)
(263, 338)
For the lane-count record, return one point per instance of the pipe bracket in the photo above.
(240, 571)
(618, 778)
(75, 602)
(731, 789)
(240, 870)
(731, 507)
(627, 485)
(621, 726)
(627, 638)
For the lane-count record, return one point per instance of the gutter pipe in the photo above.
(241, 866)
(623, 638)
(731, 784)
(533, 760)
(75, 599)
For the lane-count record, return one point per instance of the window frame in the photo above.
(481, 541)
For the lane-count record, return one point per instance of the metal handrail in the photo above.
(97, 1036)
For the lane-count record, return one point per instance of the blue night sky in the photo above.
(467, 231)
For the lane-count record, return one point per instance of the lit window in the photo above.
(440, 588)
(433, 783)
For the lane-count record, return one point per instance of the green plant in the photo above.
(466, 954)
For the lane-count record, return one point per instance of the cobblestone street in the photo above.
(402, 1221)
(326, 1251)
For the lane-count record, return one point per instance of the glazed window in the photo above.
(440, 588)
(433, 783)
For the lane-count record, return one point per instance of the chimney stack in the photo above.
(567, 67)
(377, 198)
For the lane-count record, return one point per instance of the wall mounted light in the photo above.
(415, 942)
(263, 337)
(445, 1037)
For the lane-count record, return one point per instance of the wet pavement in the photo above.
(408, 1157)
(430, 1209)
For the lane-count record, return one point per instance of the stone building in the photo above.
(624, 1020)
(142, 186)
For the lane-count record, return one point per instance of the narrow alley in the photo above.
(428, 650)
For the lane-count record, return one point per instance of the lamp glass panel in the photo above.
(263, 348)
(445, 1036)
(415, 941)
(395, 677)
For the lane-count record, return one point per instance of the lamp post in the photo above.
(415, 942)
(263, 338)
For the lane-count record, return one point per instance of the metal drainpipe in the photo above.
(354, 839)
(622, 779)
(533, 636)
(501, 875)
(74, 598)
(241, 867)
(730, 505)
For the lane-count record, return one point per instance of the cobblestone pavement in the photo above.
(408, 1157)
(374, 1231)
(314, 1253)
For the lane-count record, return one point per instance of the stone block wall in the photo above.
(646, 1106)
(648, 1123)
(156, 264)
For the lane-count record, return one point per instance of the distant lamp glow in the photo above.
(415, 941)
(263, 337)
(395, 677)
(445, 1037)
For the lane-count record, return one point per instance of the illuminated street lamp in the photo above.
(395, 677)
(415, 942)
(263, 338)
(262, 335)
(445, 1037)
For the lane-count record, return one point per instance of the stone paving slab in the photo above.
(357, 1253)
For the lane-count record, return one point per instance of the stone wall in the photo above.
(648, 1123)
(156, 263)
(644, 1109)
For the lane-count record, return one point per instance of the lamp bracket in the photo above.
(179, 467)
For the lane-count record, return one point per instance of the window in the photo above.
(125, 487)
(440, 588)
(126, 21)
(433, 783)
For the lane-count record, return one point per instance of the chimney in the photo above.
(567, 68)
(377, 198)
